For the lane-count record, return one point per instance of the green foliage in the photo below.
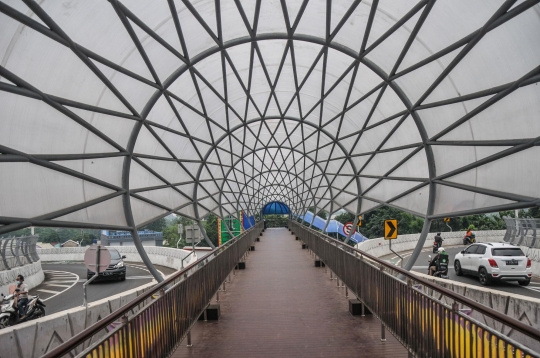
(276, 220)
(59, 235)
(171, 237)
(345, 217)
(322, 213)
(159, 225)
(374, 222)
(534, 212)
(210, 226)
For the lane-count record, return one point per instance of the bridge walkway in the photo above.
(283, 306)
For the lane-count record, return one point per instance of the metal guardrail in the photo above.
(155, 323)
(522, 232)
(413, 309)
(17, 251)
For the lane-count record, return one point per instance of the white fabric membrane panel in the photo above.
(296, 115)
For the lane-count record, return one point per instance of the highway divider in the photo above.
(159, 255)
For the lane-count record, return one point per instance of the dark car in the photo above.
(116, 269)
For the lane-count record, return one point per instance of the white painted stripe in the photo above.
(56, 285)
(71, 275)
(70, 281)
(145, 269)
(139, 277)
(49, 291)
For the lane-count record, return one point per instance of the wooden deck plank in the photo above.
(283, 306)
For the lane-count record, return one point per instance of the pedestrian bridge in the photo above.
(117, 113)
(282, 304)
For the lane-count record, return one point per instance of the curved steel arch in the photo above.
(500, 16)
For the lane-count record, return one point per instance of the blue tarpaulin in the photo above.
(333, 226)
(249, 221)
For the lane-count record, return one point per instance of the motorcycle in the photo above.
(436, 246)
(9, 314)
(467, 240)
(441, 271)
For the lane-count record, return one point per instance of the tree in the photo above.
(159, 225)
(345, 217)
(373, 223)
(171, 236)
(323, 214)
(210, 226)
(534, 212)
(276, 220)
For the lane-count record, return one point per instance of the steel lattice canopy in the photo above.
(116, 113)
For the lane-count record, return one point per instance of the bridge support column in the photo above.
(383, 333)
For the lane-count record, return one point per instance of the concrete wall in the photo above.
(35, 338)
(33, 276)
(379, 247)
(163, 256)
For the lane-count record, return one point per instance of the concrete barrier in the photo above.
(35, 338)
(32, 273)
(163, 256)
(380, 247)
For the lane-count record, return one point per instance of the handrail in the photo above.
(94, 329)
(507, 321)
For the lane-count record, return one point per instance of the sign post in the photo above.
(446, 221)
(97, 259)
(347, 227)
(391, 233)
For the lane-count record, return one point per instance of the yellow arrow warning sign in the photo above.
(390, 229)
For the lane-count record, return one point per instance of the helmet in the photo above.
(439, 233)
(441, 249)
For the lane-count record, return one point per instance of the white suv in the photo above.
(494, 262)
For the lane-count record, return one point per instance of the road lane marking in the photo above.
(144, 268)
(147, 277)
(49, 291)
(56, 285)
(58, 274)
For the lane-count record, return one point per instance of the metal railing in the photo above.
(156, 322)
(429, 320)
(523, 232)
(17, 251)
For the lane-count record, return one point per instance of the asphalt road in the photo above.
(62, 288)
(421, 265)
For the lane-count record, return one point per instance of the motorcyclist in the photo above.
(438, 239)
(21, 292)
(434, 262)
(469, 236)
